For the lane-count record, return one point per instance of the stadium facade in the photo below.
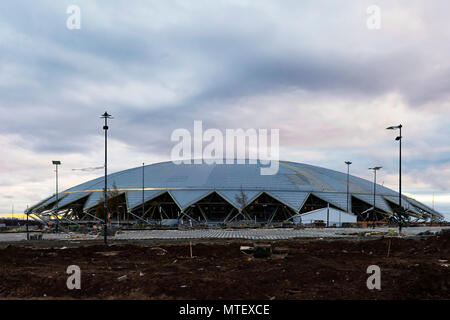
(226, 193)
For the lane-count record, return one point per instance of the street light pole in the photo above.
(400, 208)
(106, 116)
(348, 163)
(375, 169)
(28, 234)
(143, 184)
(399, 139)
(56, 163)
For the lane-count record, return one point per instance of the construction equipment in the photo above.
(88, 169)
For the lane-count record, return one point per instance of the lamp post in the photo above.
(375, 169)
(28, 213)
(400, 208)
(56, 163)
(143, 184)
(348, 163)
(106, 116)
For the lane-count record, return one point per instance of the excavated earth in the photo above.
(312, 269)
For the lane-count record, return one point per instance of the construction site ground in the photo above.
(415, 267)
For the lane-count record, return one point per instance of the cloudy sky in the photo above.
(312, 69)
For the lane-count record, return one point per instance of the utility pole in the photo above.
(106, 116)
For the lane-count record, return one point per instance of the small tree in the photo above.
(113, 205)
(242, 198)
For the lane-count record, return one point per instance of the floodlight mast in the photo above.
(106, 116)
(400, 208)
(143, 188)
(375, 169)
(27, 213)
(56, 163)
(348, 163)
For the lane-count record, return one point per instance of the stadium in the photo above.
(221, 194)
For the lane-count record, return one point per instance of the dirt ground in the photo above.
(313, 269)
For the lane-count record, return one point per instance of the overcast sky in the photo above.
(309, 68)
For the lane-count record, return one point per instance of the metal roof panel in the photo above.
(232, 195)
(337, 199)
(380, 202)
(185, 198)
(134, 197)
(293, 199)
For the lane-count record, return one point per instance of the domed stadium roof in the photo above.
(189, 183)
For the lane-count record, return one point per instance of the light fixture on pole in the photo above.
(375, 169)
(106, 116)
(56, 163)
(348, 163)
(28, 214)
(400, 208)
(143, 184)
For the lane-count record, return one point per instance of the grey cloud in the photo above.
(210, 56)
